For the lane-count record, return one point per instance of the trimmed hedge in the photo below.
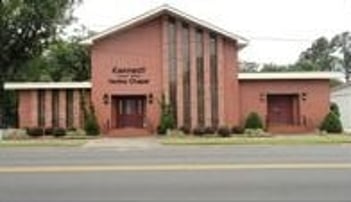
(237, 130)
(210, 130)
(185, 129)
(224, 131)
(253, 121)
(331, 123)
(59, 132)
(199, 131)
(35, 132)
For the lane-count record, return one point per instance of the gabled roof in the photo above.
(46, 85)
(290, 76)
(165, 9)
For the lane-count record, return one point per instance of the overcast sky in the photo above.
(278, 29)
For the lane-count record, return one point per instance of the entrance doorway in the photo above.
(282, 109)
(129, 111)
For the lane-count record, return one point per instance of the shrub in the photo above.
(199, 131)
(90, 126)
(237, 130)
(73, 129)
(253, 121)
(335, 109)
(161, 130)
(59, 132)
(35, 132)
(48, 131)
(167, 122)
(210, 130)
(331, 123)
(167, 118)
(224, 131)
(185, 129)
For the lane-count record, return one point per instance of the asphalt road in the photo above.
(187, 182)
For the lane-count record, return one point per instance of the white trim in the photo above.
(157, 12)
(290, 75)
(46, 85)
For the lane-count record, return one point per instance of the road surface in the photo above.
(262, 173)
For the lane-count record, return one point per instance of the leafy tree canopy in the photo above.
(27, 27)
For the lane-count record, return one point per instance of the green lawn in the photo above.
(275, 140)
(43, 143)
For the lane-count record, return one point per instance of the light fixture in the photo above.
(262, 97)
(150, 98)
(105, 99)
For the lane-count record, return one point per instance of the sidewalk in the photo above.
(124, 143)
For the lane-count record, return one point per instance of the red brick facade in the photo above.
(28, 108)
(313, 100)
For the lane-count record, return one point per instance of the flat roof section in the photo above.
(290, 76)
(46, 85)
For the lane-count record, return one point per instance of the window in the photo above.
(55, 108)
(214, 80)
(172, 69)
(41, 108)
(69, 109)
(186, 76)
(200, 78)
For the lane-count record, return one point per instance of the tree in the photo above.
(274, 68)
(331, 123)
(318, 57)
(27, 27)
(341, 46)
(62, 61)
(248, 66)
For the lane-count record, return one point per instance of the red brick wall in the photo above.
(231, 86)
(314, 108)
(27, 108)
(140, 46)
(62, 107)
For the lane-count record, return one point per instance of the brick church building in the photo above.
(192, 63)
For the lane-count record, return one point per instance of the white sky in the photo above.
(278, 29)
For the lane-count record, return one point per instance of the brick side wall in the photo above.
(314, 108)
(25, 109)
(28, 108)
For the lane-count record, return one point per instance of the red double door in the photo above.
(130, 111)
(281, 109)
